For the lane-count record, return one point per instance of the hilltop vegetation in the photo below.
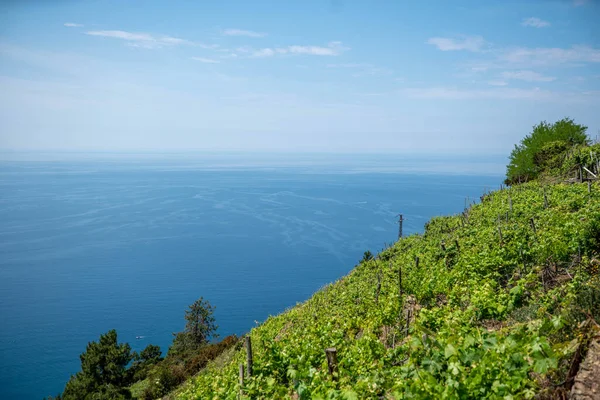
(497, 302)
(545, 151)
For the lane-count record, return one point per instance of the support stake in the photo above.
(249, 356)
(331, 354)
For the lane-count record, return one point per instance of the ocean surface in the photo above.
(92, 242)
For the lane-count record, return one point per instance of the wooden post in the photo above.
(331, 354)
(241, 379)
(456, 244)
(400, 292)
(249, 356)
(510, 203)
(417, 262)
(580, 174)
(378, 287)
(400, 220)
(500, 234)
(532, 222)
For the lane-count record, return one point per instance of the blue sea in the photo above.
(92, 242)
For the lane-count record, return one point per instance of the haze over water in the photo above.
(91, 242)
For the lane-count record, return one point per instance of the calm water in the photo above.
(125, 242)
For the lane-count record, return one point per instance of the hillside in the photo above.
(491, 303)
(501, 301)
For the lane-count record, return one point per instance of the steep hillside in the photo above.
(497, 302)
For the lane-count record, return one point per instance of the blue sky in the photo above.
(332, 76)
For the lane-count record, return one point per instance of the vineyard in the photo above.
(496, 302)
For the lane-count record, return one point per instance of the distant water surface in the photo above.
(91, 242)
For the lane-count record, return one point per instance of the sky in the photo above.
(431, 77)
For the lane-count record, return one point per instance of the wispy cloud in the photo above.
(551, 55)
(242, 32)
(578, 3)
(497, 83)
(535, 22)
(264, 53)
(470, 94)
(528, 58)
(205, 60)
(332, 49)
(143, 40)
(501, 93)
(529, 76)
(362, 69)
(72, 25)
(469, 43)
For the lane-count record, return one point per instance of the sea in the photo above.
(96, 241)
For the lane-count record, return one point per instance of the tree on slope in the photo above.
(103, 372)
(200, 327)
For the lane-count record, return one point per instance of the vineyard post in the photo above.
(400, 284)
(579, 257)
(249, 355)
(331, 354)
(510, 202)
(417, 262)
(400, 220)
(500, 234)
(241, 379)
(378, 287)
(456, 244)
(532, 222)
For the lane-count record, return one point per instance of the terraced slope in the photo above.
(500, 304)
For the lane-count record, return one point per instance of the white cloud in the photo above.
(469, 43)
(529, 76)
(72, 25)
(470, 94)
(535, 22)
(205, 60)
(497, 83)
(332, 49)
(242, 32)
(551, 56)
(144, 40)
(264, 53)
(362, 69)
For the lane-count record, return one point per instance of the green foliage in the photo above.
(174, 370)
(103, 372)
(487, 318)
(200, 323)
(543, 148)
(150, 356)
(107, 370)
